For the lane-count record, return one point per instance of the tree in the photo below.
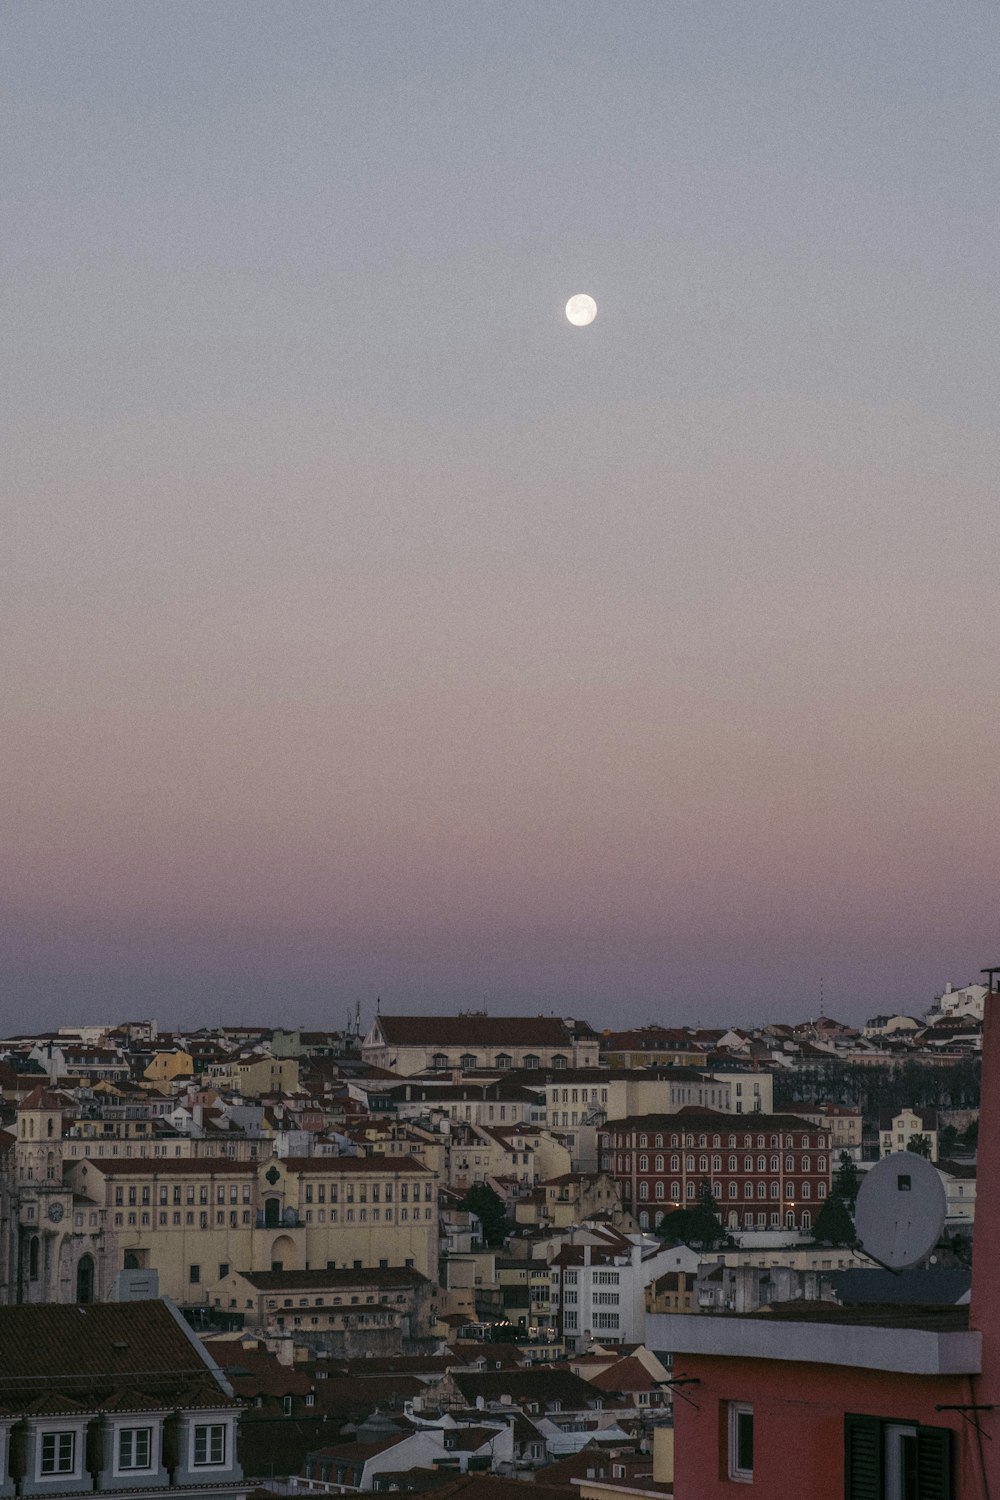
(847, 1181)
(948, 1139)
(920, 1145)
(698, 1227)
(834, 1225)
(488, 1208)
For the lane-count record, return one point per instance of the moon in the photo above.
(581, 310)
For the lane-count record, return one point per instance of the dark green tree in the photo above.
(488, 1207)
(947, 1140)
(834, 1225)
(847, 1181)
(698, 1227)
(920, 1145)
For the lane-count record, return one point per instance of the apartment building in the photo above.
(773, 1171)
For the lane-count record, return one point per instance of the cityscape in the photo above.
(499, 984)
(464, 1251)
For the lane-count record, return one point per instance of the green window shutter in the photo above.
(863, 1458)
(934, 1462)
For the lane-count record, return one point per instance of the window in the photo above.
(896, 1460)
(210, 1444)
(740, 1440)
(135, 1447)
(194, 1274)
(58, 1454)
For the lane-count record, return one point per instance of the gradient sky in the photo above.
(366, 629)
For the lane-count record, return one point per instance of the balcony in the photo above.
(289, 1219)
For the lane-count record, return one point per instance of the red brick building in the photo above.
(766, 1171)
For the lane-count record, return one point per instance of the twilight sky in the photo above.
(366, 629)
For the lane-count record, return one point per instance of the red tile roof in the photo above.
(474, 1031)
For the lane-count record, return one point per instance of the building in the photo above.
(598, 1292)
(113, 1398)
(194, 1219)
(773, 1171)
(896, 1131)
(349, 1313)
(841, 1122)
(474, 1040)
(876, 1402)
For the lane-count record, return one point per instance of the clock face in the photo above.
(56, 1212)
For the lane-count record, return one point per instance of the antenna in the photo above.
(900, 1211)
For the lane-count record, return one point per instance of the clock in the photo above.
(56, 1212)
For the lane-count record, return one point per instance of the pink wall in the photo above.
(799, 1424)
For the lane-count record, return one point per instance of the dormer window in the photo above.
(439, 1060)
(57, 1454)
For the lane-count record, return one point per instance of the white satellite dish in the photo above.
(900, 1210)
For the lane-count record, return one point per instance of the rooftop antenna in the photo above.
(821, 1012)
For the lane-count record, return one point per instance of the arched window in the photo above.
(775, 1163)
(732, 1190)
(643, 1163)
(748, 1190)
(789, 1163)
(789, 1221)
(806, 1190)
(703, 1164)
(644, 1190)
(733, 1164)
(762, 1164)
(748, 1140)
(644, 1221)
(658, 1164)
(762, 1190)
(689, 1139)
(48, 1126)
(807, 1219)
(821, 1190)
(690, 1190)
(659, 1190)
(821, 1164)
(732, 1140)
(717, 1140)
(85, 1279)
(774, 1190)
(675, 1164)
(689, 1163)
(703, 1140)
(805, 1140)
(748, 1164)
(716, 1163)
(789, 1189)
(789, 1141)
(658, 1141)
(805, 1164)
(734, 1219)
(675, 1140)
(675, 1191)
(760, 1140)
(775, 1141)
(33, 1258)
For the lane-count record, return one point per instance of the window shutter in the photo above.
(862, 1458)
(934, 1447)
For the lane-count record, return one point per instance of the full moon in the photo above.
(581, 310)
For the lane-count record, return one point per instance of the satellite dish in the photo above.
(900, 1210)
